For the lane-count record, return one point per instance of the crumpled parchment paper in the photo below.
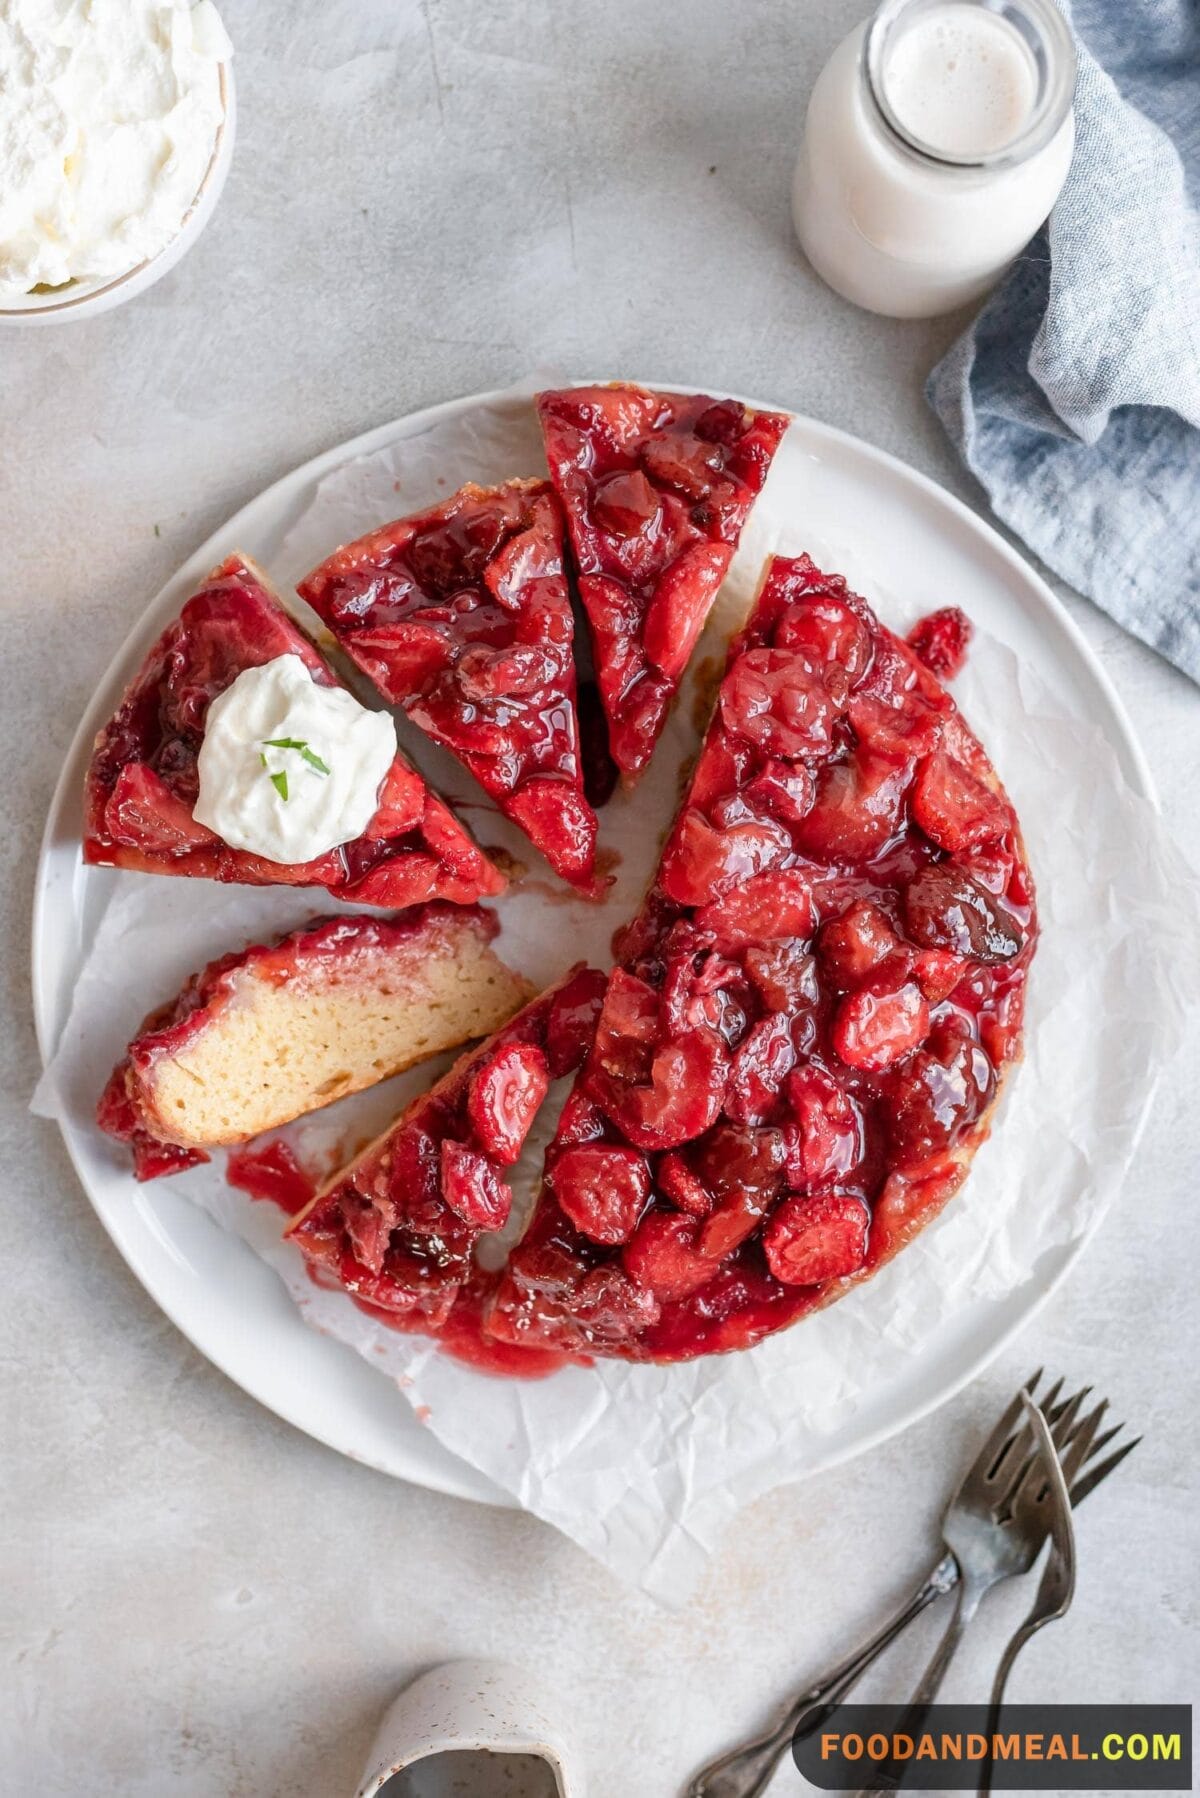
(643, 1466)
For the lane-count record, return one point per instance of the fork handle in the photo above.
(889, 1776)
(746, 1771)
(1007, 1662)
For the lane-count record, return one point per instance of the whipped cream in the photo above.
(289, 769)
(109, 113)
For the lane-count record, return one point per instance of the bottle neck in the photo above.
(934, 41)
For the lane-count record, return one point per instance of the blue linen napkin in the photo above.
(1074, 397)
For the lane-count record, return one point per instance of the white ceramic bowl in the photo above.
(85, 299)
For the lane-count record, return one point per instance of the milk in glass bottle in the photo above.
(938, 136)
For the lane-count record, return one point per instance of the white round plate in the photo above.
(873, 512)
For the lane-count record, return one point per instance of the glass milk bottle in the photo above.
(938, 136)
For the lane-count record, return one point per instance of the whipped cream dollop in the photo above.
(289, 769)
(109, 114)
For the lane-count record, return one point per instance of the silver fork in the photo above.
(745, 1772)
(1000, 1531)
(1057, 1587)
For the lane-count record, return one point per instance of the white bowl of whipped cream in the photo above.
(116, 135)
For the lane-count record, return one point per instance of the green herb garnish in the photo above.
(279, 781)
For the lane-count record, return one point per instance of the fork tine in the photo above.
(1049, 1406)
(1067, 1428)
(1094, 1475)
(999, 1442)
(1018, 1475)
(1102, 1441)
(1064, 1423)
(1080, 1446)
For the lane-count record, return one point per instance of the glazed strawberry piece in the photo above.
(143, 779)
(800, 1045)
(956, 809)
(830, 1132)
(941, 641)
(811, 1239)
(853, 945)
(938, 1095)
(603, 1189)
(555, 1294)
(472, 1187)
(656, 488)
(664, 1258)
(679, 1184)
(397, 1227)
(859, 808)
(504, 1097)
(882, 1022)
(945, 908)
(745, 1166)
(462, 616)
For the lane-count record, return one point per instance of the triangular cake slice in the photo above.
(397, 1227)
(143, 779)
(811, 1016)
(462, 616)
(656, 488)
(272, 1032)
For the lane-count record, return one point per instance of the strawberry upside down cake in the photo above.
(462, 615)
(656, 488)
(144, 780)
(280, 1029)
(799, 1048)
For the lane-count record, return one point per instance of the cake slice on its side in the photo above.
(811, 1017)
(281, 1029)
(656, 488)
(462, 616)
(397, 1227)
(143, 780)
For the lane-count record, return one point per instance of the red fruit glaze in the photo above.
(271, 1172)
(656, 488)
(462, 616)
(464, 1337)
(397, 1227)
(143, 781)
(118, 1116)
(800, 1044)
